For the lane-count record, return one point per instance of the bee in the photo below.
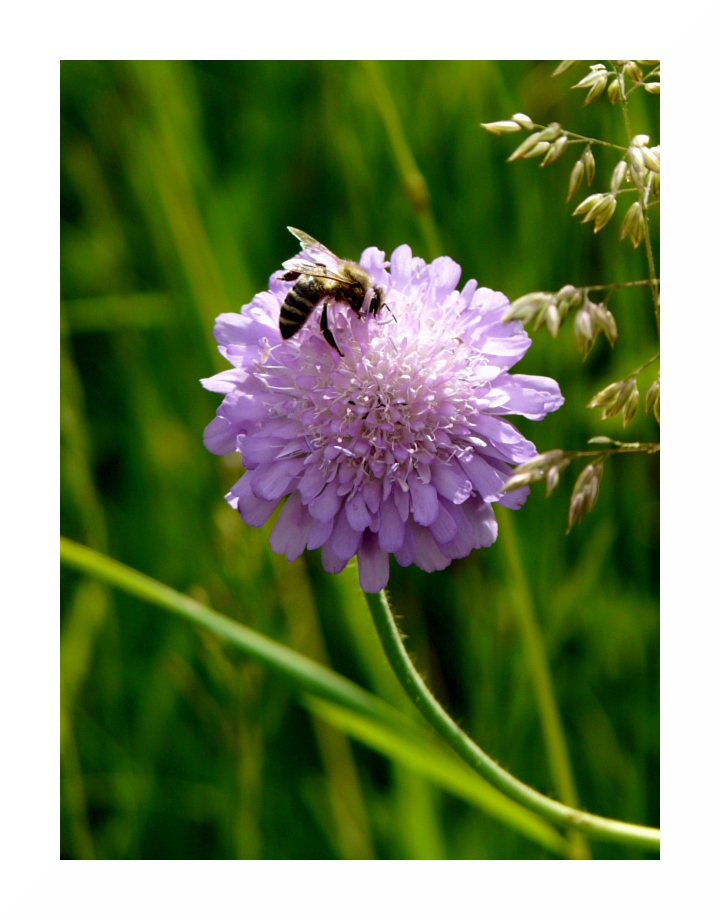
(323, 281)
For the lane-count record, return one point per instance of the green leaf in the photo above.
(303, 672)
(334, 698)
(441, 767)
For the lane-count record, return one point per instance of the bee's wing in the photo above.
(302, 267)
(314, 247)
(307, 241)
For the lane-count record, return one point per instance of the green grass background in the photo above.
(177, 183)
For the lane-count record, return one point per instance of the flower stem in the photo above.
(651, 265)
(642, 197)
(591, 825)
(582, 139)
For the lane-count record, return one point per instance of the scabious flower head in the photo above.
(398, 446)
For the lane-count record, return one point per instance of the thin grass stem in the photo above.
(550, 721)
(412, 179)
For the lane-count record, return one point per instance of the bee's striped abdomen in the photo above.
(299, 303)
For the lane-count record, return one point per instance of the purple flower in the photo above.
(396, 447)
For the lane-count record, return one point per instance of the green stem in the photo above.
(643, 203)
(651, 264)
(553, 735)
(591, 825)
(412, 179)
(555, 743)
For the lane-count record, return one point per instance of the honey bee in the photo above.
(324, 280)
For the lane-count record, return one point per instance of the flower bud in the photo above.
(650, 159)
(589, 161)
(640, 140)
(614, 91)
(604, 321)
(621, 396)
(522, 479)
(597, 72)
(526, 307)
(552, 320)
(562, 67)
(576, 177)
(632, 70)
(538, 150)
(588, 204)
(551, 133)
(567, 298)
(584, 493)
(583, 331)
(501, 127)
(607, 397)
(636, 159)
(597, 89)
(552, 479)
(601, 211)
(604, 212)
(633, 224)
(556, 150)
(653, 88)
(630, 404)
(652, 399)
(595, 80)
(526, 146)
(523, 121)
(541, 460)
(655, 184)
(553, 474)
(618, 176)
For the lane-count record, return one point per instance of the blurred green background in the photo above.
(177, 184)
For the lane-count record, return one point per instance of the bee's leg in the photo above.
(329, 337)
(384, 322)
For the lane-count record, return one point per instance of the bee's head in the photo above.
(378, 301)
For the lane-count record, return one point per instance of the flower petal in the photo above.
(451, 481)
(401, 268)
(253, 511)
(372, 493)
(428, 556)
(392, 529)
(487, 480)
(271, 481)
(446, 274)
(424, 499)
(405, 556)
(289, 535)
(319, 532)
(505, 438)
(357, 513)
(373, 564)
(443, 528)
(464, 540)
(220, 436)
(332, 564)
(516, 498)
(312, 483)
(527, 395)
(402, 502)
(327, 504)
(481, 517)
(344, 540)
